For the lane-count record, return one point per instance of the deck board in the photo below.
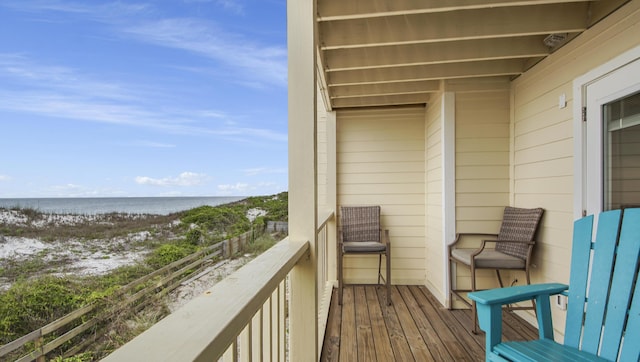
(414, 328)
(399, 344)
(384, 351)
(348, 342)
(414, 338)
(364, 333)
(430, 335)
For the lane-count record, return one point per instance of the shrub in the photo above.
(118, 277)
(220, 218)
(29, 305)
(168, 253)
(194, 236)
(277, 206)
(259, 224)
(261, 244)
(82, 357)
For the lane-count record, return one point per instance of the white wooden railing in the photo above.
(245, 317)
(326, 270)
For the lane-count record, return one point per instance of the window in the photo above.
(621, 153)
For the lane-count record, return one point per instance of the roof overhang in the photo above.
(380, 52)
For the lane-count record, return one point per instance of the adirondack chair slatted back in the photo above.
(607, 271)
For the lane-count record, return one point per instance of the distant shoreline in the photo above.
(163, 205)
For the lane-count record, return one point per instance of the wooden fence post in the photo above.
(225, 249)
(39, 343)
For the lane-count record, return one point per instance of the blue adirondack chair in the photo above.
(603, 312)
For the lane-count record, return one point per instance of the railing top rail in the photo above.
(204, 327)
(324, 217)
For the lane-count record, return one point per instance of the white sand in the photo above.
(201, 282)
(15, 247)
(86, 257)
(98, 256)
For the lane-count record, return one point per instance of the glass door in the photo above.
(621, 153)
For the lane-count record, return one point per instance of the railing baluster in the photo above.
(283, 319)
(325, 258)
(256, 337)
(245, 343)
(261, 334)
(229, 355)
(266, 325)
(274, 324)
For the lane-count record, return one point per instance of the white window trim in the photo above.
(579, 128)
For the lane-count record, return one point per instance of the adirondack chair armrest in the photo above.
(516, 294)
(490, 302)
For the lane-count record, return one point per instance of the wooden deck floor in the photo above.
(414, 328)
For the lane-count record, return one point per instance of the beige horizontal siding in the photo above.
(553, 133)
(543, 136)
(562, 148)
(552, 167)
(482, 169)
(380, 161)
(400, 166)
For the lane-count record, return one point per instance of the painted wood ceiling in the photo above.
(395, 52)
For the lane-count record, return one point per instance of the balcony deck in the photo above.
(415, 327)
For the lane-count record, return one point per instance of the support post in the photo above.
(301, 29)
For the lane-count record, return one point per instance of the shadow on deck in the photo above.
(414, 328)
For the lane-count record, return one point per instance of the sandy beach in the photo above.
(99, 256)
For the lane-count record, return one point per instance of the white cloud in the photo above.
(85, 9)
(252, 61)
(232, 5)
(184, 179)
(63, 92)
(4, 178)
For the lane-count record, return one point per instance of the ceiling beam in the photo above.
(329, 10)
(381, 101)
(458, 25)
(426, 72)
(600, 9)
(425, 86)
(434, 53)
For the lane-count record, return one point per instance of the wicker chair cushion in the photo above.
(360, 224)
(518, 225)
(363, 247)
(488, 258)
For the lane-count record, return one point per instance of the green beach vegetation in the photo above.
(43, 288)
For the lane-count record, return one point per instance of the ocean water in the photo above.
(128, 205)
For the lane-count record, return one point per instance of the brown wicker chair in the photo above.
(513, 246)
(360, 233)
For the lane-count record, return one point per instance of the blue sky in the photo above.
(128, 98)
